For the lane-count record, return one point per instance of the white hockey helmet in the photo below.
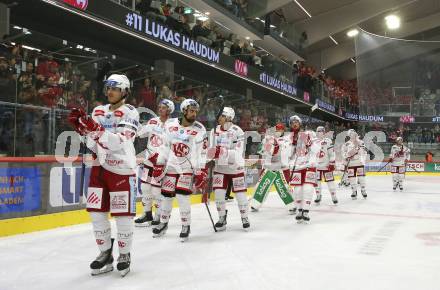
(320, 129)
(295, 118)
(169, 104)
(229, 113)
(399, 140)
(352, 133)
(117, 81)
(189, 103)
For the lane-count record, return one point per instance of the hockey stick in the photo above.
(380, 170)
(345, 172)
(207, 194)
(83, 169)
(207, 208)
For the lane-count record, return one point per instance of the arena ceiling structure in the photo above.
(326, 24)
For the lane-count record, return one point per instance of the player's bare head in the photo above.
(190, 108)
(226, 117)
(320, 132)
(295, 123)
(399, 140)
(116, 87)
(166, 108)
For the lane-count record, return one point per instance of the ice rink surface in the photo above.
(389, 241)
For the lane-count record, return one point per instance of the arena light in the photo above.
(31, 48)
(203, 18)
(392, 21)
(352, 32)
(303, 9)
(334, 40)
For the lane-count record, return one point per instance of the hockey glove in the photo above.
(213, 152)
(73, 118)
(153, 158)
(158, 172)
(90, 127)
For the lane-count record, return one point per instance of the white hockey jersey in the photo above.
(154, 130)
(276, 152)
(114, 148)
(184, 149)
(231, 143)
(355, 152)
(305, 152)
(399, 154)
(326, 154)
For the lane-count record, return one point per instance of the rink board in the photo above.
(390, 241)
(30, 224)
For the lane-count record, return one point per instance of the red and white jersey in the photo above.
(184, 149)
(305, 152)
(276, 152)
(355, 151)
(115, 149)
(326, 154)
(231, 143)
(154, 130)
(399, 154)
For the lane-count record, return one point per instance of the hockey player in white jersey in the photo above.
(326, 166)
(150, 188)
(276, 150)
(303, 164)
(228, 153)
(112, 188)
(181, 164)
(355, 154)
(399, 155)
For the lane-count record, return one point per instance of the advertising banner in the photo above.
(20, 189)
(415, 166)
(65, 185)
(432, 167)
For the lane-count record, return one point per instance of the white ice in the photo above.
(389, 241)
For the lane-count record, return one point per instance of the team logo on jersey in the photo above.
(218, 180)
(180, 149)
(118, 114)
(169, 183)
(99, 113)
(93, 198)
(119, 202)
(156, 141)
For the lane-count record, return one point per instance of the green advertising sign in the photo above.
(432, 167)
